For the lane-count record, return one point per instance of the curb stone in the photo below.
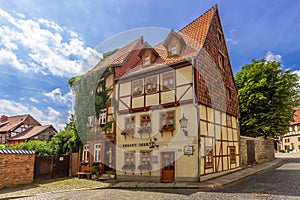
(209, 184)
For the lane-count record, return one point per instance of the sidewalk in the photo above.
(212, 183)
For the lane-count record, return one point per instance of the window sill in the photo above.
(137, 95)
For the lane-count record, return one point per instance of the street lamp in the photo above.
(183, 124)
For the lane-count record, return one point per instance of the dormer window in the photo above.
(146, 60)
(174, 43)
(147, 54)
(173, 50)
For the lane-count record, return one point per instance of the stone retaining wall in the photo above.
(264, 149)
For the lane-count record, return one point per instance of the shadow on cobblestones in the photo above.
(281, 180)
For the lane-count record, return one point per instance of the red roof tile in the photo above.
(197, 30)
(193, 35)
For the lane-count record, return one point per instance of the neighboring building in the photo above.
(291, 140)
(42, 133)
(177, 109)
(18, 129)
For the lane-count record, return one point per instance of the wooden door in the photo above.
(168, 167)
(250, 152)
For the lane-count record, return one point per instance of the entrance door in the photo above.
(250, 152)
(168, 167)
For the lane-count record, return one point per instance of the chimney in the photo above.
(3, 118)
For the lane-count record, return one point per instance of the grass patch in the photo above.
(55, 185)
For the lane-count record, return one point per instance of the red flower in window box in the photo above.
(143, 167)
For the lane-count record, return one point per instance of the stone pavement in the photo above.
(212, 183)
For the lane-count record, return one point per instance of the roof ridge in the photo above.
(205, 13)
(19, 115)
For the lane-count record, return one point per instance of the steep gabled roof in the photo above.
(198, 29)
(193, 35)
(13, 122)
(31, 132)
(119, 57)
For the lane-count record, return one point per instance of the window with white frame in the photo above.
(85, 153)
(97, 152)
(102, 117)
(90, 122)
(147, 60)
(173, 50)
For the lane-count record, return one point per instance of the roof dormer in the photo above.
(147, 54)
(174, 43)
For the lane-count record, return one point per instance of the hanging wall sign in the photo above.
(189, 150)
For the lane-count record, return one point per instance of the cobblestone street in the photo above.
(279, 182)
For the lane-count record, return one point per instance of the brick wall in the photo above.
(16, 168)
(264, 149)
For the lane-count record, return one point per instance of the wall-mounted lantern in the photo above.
(183, 125)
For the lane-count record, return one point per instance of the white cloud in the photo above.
(270, 56)
(7, 57)
(57, 96)
(45, 117)
(298, 73)
(42, 46)
(33, 100)
(231, 39)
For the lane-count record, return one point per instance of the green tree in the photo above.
(267, 96)
(63, 141)
(74, 142)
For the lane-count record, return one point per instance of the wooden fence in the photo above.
(49, 167)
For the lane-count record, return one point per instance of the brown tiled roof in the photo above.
(197, 30)
(119, 57)
(31, 132)
(146, 46)
(193, 34)
(13, 122)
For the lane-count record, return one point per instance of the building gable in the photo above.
(216, 86)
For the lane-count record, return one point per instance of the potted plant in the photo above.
(145, 167)
(113, 173)
(96, 169)
(128, 166)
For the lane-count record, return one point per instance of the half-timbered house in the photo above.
(177, 114)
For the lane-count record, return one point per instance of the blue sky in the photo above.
(44, 43)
